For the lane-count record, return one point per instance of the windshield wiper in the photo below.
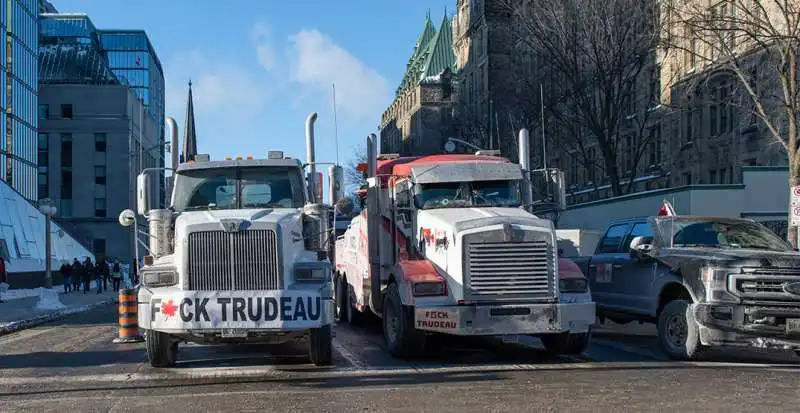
(702, 246)
(201, 208)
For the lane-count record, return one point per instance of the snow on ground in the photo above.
(16, 294)
(49, 301)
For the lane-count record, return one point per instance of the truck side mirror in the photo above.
(142, 194)
(640, 247)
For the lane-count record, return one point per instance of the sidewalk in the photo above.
(20, 313)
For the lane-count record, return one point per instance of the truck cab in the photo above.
(239, 256)
(703, 281)
(445, 246)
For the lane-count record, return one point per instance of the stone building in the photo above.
(689, 121)
(420, 119)
(487, 113)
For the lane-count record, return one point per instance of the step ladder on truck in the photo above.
(447, 245)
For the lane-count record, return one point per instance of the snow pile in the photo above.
(16, 294)
(49, 301)
(12, 326)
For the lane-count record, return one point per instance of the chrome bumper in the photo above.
(488, 320)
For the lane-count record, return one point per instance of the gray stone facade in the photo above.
(107, 139)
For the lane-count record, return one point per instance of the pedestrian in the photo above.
(105, 273)
(66, 273)
(77, 270)
(86, 275)
(134, 272)
(3, 278)
(116, 275)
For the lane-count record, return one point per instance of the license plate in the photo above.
(793, 325)
(234, 332)
(509, 311)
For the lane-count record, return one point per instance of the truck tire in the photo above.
(341, 297)
(678, 332)
(399, 334)
(566, 344)
(320, 346)
(162, 350)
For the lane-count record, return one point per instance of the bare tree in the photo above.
(755, 42)
(597, 54)
(355, 179)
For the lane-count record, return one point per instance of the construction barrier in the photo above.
(128, 320)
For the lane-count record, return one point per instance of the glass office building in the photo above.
(18, 82)
(133, 60)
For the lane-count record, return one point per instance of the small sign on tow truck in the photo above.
(793, 325)
(443, 320)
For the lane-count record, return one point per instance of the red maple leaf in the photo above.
(169, 308)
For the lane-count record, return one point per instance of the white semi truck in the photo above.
(445, 246)
(240, 255)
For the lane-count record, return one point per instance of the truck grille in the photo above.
(510, 270)
(765, 284)
(245, 260)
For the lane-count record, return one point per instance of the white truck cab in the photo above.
(239, 256)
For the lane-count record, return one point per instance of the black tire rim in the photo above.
(391, 324)
(676, 331)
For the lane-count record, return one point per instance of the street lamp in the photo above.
(48, 297)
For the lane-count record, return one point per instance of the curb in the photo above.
(15, 326)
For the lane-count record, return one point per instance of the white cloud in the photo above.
(265, 52)
(318, 63)
(215, 85)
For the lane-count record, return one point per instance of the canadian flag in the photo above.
(666, 210)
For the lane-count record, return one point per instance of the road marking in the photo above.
(347, 355)
(344, 372)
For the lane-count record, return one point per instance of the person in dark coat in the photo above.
(66, 273)
(104, 272)
(87, 275)
(77, 270)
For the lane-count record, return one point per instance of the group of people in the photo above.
(83, 273)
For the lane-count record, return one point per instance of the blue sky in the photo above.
(259, 67)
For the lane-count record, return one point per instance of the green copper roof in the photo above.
(432, 54)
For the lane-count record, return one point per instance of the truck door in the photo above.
(606, 264)
(635, 279)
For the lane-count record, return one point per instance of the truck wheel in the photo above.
(678, 331)
(319, 343)
(341, 297)
(563, 344)
(402, 339)
(162, 350)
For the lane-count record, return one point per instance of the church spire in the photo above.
(189, 137)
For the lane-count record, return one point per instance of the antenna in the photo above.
(335, 125)
(544, 141)
(672, 224)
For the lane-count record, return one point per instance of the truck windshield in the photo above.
(238, 188)
(720, 233)
(468, 194)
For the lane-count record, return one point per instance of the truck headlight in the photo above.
(310, 274)
(430, 289)
(573, 285)
(159, 278)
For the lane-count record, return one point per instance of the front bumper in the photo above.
(748, 325)
(233, 312)
(489, 320)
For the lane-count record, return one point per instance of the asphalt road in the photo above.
(72, 365)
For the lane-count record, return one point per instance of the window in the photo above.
(44, 111)
(66, 184)
(66, 150)
(99, 246)
(640, 229)
(723, 177)
(43, 161)
(100, 142)
(100, 175)
(712, 177)
(100, 207)
(610, 242)
(66, 111)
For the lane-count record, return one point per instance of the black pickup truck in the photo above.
(704, 281)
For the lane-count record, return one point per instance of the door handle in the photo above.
(592, 266)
